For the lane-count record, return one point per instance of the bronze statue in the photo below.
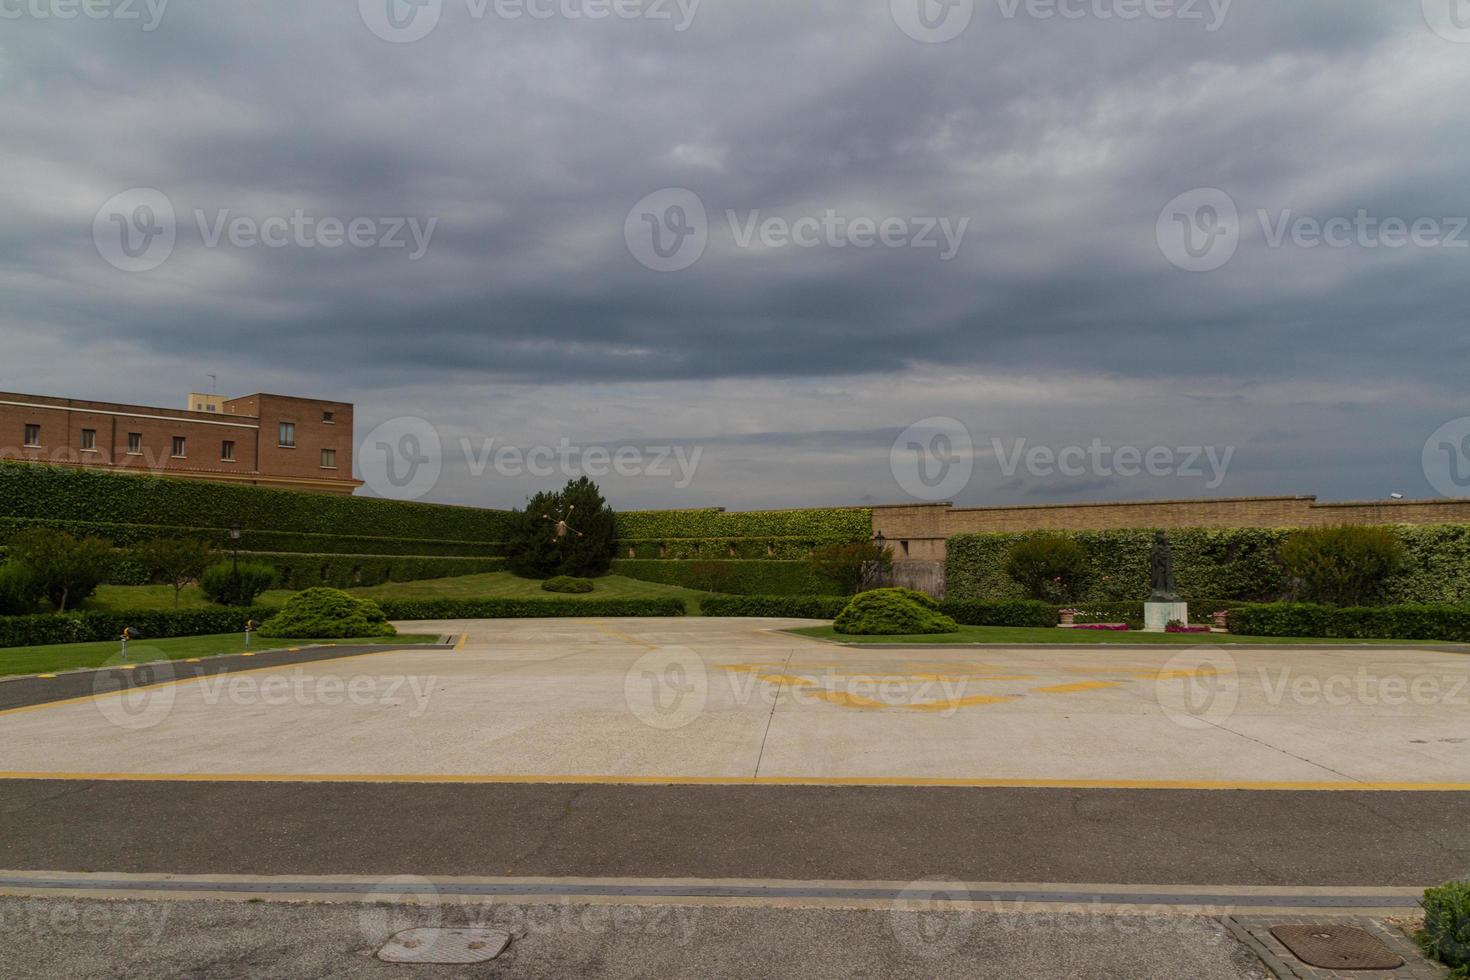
(1161, 570)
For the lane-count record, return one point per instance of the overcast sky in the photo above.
(1025, 228)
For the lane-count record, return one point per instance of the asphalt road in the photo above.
(793, 833)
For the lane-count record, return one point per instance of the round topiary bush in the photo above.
(893, 612)
(568, 584)
(327, 614)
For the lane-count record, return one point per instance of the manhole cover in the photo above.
(1337, 947)
(444, 946)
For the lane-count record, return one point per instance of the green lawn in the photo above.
(491, 585)
(73, 656)
(504, 585)
(1022, 634)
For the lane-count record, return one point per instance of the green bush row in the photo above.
(1450, 624)
(297, 571)
(71, 494)
(775, 606)
(1237, 564)
(252, 539)
(89, 627)
(1013, 612)
(832, 524)
(411, 609)
(731, 577)
(720, 549)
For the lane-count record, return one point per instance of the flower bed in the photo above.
(1107, 627)
(1173, 628)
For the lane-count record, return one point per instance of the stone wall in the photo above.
(917, 532)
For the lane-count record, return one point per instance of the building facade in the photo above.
(263, 440)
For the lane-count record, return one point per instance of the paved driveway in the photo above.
(694, 700)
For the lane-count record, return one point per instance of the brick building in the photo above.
(264, 440)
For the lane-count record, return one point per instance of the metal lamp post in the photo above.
(235, 561)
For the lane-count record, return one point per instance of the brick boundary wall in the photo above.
(917, 532)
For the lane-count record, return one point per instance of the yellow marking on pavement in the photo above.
(46, 676)
(192, 660)
(126, 667)
(627, 639)
(463, 639)
(174, 683)
(1341, 786)
(962, 702)
(1077, 688)
(247, 654)
(845, 700)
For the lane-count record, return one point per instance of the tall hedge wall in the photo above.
(69, 494)
(770, 578)
(1233, 564)
(826, 525)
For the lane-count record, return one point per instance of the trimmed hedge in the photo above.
(73, 494)
(1016, 612)
(88, 627)
(1239, 565)
(731, 577)
(775, 606)
(822, 524)
(299, 571)
(1444, 623)
(720, 549)
(410, 609)
(254, 539)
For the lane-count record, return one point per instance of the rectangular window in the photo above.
(329, 459)
(330, 418)
(33, 435)
(227, 451)
(135, 443)
(179, 447)
(286, 435)
(89, 440)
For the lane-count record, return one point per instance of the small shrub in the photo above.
(323, 614)
(893, 612)
(1342, 566)
(852, 566)
(1048, 568)
(177, 561)
(20, 593)
(219, 585)
(66, 569)
(568, 584)
(1446, 934)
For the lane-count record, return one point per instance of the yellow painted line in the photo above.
(192, 660)
(1076, 688)
(123, 667)
(183, 680)
(627, 639)
(247, 654)
(604, 780)
(463, 639)
(961, 702)
(845, 700)
(46, 677)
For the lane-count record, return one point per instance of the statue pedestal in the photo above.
(1158, 615)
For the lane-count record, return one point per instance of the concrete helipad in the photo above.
(732, 701)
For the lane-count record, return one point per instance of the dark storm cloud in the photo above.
(527, 142)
